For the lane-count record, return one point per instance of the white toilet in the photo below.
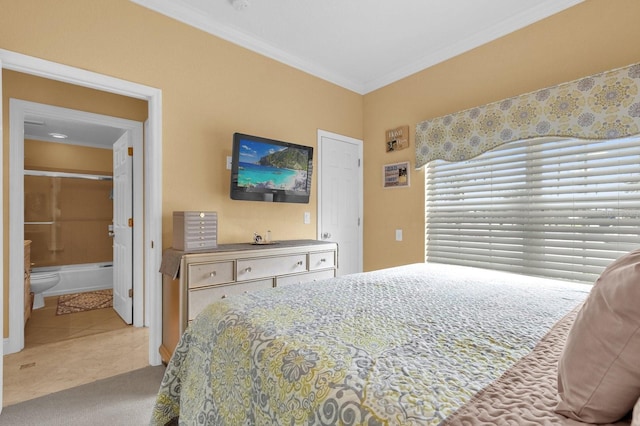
(41, 282)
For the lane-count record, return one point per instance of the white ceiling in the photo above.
(361, 45)
(78, 132)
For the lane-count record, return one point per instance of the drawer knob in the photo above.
(224, 296)
(323, 260)
(213, 274)
(299, 262)
(248, 269)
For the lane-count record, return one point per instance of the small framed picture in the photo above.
(396, 139)
(395, 175)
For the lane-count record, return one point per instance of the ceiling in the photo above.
(39, 127)
(360, 45)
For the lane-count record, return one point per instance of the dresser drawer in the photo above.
(205, 274)
(249, 269)
(303, 278)
(202, 297)
(193, 224)
(322, 260)
(199, 244)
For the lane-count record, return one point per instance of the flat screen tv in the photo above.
(270, 170)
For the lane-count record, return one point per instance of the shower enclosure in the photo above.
(67, 216)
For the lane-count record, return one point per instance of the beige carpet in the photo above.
(80, 302)
(123, 400)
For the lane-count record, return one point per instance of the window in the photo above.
(546, 207)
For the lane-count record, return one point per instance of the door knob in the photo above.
(326, 235)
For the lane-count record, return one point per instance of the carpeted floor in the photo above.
(126, 399)
(80, 302)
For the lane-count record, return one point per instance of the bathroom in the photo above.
(68, 211)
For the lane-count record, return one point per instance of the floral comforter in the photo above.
(400, 346)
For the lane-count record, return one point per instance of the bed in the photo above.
(421, 344)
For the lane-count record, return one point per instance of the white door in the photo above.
(123, 228)
(340, 197)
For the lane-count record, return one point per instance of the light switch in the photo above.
(228, 163)
(398, 234)
(307, 218)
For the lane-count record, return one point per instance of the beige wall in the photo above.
(594, 36)
(210, 89)
(60, 157)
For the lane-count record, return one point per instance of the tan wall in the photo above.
(594, 36)
(210, 89)
(60, 157)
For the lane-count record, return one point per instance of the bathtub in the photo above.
(79, 278)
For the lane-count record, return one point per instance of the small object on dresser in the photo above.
(195, 230)
(262, 241)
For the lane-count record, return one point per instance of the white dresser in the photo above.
(191, 281)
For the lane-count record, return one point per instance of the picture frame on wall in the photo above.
(396, 175)
(396, 139)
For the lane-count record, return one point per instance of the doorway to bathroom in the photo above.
(73, 198)
(148, 244)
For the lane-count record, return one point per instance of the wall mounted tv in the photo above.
(269, 170)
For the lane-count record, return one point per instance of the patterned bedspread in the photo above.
(401, 346)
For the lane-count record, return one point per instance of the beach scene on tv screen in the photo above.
(267, 166)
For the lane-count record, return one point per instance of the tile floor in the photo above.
(63, 351)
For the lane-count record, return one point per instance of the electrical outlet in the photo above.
(398, 234)
(228, 163)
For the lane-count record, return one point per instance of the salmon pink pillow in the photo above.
(599, 369)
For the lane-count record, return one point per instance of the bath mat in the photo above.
(80, 302)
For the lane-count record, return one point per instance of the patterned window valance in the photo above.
(603, 106)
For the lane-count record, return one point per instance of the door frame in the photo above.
(346, 139)
(151, 220)
(18, 109)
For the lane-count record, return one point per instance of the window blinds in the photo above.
(547, 207)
